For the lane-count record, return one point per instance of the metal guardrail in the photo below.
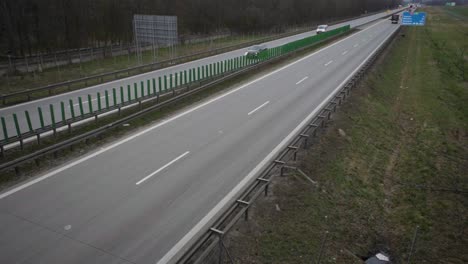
(210, 245)
(189, 90)
(149, 67)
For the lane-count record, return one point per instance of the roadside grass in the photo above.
(9, 178)
(394, 158)
(74, 71)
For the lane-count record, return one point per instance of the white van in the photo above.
(322, 29)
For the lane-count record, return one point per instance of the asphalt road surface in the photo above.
(148, 196)
(44, 103)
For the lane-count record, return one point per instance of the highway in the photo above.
(146, 197)
(44, 103)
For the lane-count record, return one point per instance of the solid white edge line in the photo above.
(303, 79)
(258, 108)
(173, 253)
(162, 168)
(190, 110)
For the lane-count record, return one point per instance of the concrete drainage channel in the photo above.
(179, 94)
(209, 247)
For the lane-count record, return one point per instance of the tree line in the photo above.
(30, 26)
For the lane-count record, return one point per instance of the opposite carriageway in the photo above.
(54, 107)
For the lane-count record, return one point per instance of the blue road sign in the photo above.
(415, 19)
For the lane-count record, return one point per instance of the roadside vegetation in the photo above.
(393, 161)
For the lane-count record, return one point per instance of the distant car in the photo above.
(322, 29)
(253, 51)
(395, 19)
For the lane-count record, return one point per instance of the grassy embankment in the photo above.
(395, 157)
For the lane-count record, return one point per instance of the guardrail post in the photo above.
(129, 93)
(206, 72)
(190, 75)
(90, 104)
(52, 118)
(211, 69)
(198, 75)
(122, 97)
(28, 120)
(185, 77)
(176, 81)
(41, 117)
(4, 128)
(62, 109)
(306, 138)
(165, 83)
(154, 86)
(80, 103)
(106, 95)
